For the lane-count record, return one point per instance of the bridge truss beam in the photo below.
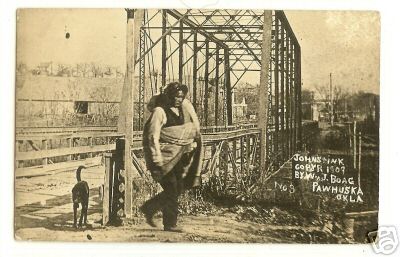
(215, 51)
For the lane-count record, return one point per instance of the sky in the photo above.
(344, 43)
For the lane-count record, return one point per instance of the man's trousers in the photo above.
(167, 200)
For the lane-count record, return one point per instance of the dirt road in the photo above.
(44, 212)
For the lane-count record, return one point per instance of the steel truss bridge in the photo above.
(210, 51)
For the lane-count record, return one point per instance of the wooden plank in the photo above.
(212, 138)
(361, 214)
(106, 193)
(137, 144)
(32, 155)
(45, 135)
(52, 130)
(38, 137)
(56, 167)
(42, 135)
(67, 135)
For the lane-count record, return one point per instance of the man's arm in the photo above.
(158, 119)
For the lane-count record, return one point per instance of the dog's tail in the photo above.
(78, 172)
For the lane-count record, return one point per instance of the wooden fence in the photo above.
(54, 148)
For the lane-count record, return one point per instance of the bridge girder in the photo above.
(194, 39)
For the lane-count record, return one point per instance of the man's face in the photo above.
(178, 99)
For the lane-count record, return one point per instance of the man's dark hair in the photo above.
(174, 87)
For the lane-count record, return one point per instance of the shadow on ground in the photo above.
(34, 215)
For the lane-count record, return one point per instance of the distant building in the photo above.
(239, 110)
(320, 110)
(50, 97)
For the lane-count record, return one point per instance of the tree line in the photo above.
(85, 70)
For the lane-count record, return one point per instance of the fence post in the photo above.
(90, 139)
(106, 194)
(44, 147)
(350, 143)
(355, 145)
(74, 143)
(69, 142)
(359, 159)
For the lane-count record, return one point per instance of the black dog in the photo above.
(80, 195)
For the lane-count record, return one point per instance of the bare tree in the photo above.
(323, 92)
(96, 70)
(63, 70)
(83, 69)
(22, 68)
(339, 96)
(106, 108)
(46, 67)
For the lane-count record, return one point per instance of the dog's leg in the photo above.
(81, 217)
(75, 214)
(86, 205)
(85, 209)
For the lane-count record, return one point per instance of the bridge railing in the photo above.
(39, 153)
(57, 145)
(29, 131)
(39, 147)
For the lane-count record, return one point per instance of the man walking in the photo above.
(173, 152)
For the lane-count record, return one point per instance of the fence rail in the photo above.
(108, 129)
(38, 143)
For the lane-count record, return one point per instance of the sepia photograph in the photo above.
(197, 126)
